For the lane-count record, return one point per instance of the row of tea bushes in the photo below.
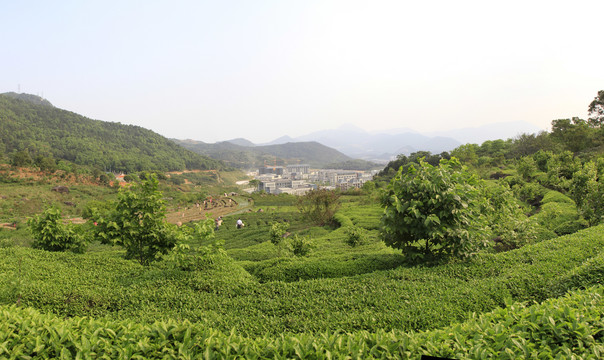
(292, 269)
(226, 297)
(568, 327)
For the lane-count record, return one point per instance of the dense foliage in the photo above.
(568, 327)
(432, 212)
(34, 129)
(50, 233)
(234, 294)
(138, 223)
(319, 205)
(587, 190)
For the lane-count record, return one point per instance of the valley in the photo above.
(486, 250)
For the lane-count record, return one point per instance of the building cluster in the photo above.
(299, 179)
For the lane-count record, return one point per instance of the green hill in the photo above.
(312, 153)
(32, 124)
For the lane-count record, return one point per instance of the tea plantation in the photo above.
(254, 301)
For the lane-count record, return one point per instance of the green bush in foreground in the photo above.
(138, 223)
(558, 328)
(51, 234)
(432, 212)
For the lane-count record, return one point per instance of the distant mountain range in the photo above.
(383, 146)
(244, 154)
(341, 145)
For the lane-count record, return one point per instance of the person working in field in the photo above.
(239, 224)
(218, 222)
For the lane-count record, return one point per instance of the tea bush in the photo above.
(50, 233)
(227, 297)
(569, 327)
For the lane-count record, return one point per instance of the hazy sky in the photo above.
(216, 70)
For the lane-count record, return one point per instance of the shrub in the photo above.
(319, 205)
(434, 212)
(587, 190)
(510, 227)
(277, 232)
(526, 167)
(52, 235)
(137, 222)
(355, 236)
(530, 193)
(300, 245)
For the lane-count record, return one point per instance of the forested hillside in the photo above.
(312, 153)
(32, 129)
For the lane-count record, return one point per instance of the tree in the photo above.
(510, 228)
(432, 212)
(596, 111)
(138, 223)
(277, 232)
(319, 205)
(466, 153)
(22, 158)
(575, 134)
(51, 234)
(587, 189)
(46, 163)
(526, 167)
(254, 183)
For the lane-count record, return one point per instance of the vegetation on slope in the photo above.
(359, 301)
(30, 130)
(559, 328)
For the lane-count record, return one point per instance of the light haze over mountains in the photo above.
(383, 145)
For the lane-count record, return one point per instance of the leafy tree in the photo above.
(434, 212)
(50, 233)
(526, 167)
(138, 223)
(45, 163)
(254, 183)
(528, 144)
(276, 233)
(560, 170)
(541, 158)
(104, 179)
(183, 257)
(466, 153)
(575, 134)
(596, 111)
(319, 205)
(587, 190)
(369, 187)
(510, 228)
(22, 158)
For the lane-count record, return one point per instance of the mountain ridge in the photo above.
(309, 152)
(42, 130)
